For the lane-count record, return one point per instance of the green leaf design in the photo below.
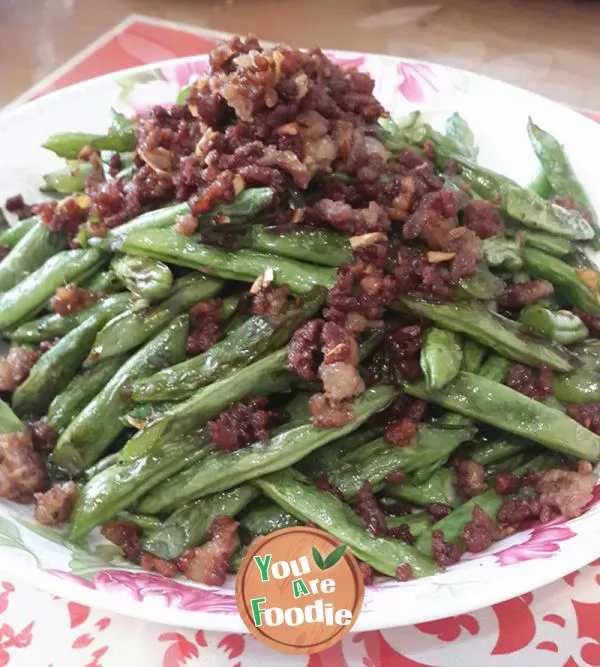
(11, 537)
(318, 558)
(334, 557)
(46, 532)
(85, 563)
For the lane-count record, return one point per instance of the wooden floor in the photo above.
(552, 47)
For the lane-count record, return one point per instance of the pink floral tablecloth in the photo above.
(556, 626)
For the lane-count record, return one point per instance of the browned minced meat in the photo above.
(530, 477)
(15, 367)
(566, 492)
(43, 437)
(514, 513)
(415, 274)
(569, 202)
(151, 563)
(327, 413)
(405, 345)
(482, 217)
(22, 470)
(186, 224)
(55, 505)
(210, 562)
(18, 207)
(436, 222)
(533, 382)
(360, 289)
(349, 220)
(403, 432)
(591, 321)
(63, 216)
(304, 350)
(323, 484)
(518, 295)
(479, 533)
(242, 424)
(401, 532)
(126, 535)
(397, 508)
(587, 414)
(444, 553)
(205, 326)
(114, 164)
(368, 509)
(396, 477)
(72, 298)
(404, 572)
(4, 250)
(273, 301)
(506, 484)
(338, 370)
(438, 510)
(366, 572)
(470, 477)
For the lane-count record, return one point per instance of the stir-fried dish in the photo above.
(272, 304)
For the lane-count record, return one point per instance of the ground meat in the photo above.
(405, 345)
(370, 512)
(401, 532)
(367, 573)
(444, 553)
(404, 572)
(566, 492)
(72, 298)
(518, 295)
(535, 383)
(482, 217)
(242, 424)
(361, 289)
(43, 437)
(209, 563)
(273, 301)
(438, 511)
(591, 321)
(341, 381)
(470, 477)
(351, 221)
(403, 432)
(126, 535)
(339, 345)
(397, 508)
(150, 563)
(587, 414)
(55, 505)
(304, 349)
(530, 477)
(327, 413)
(514, 513)
(205, 326)
(186, 224)
(4, 250)
(64, 216)
(479, 533)
(415, 274)
(22, 470)
(17, 206)
(114, 164)
(323, 484)
(396, 477)
(15, 367)
(506, 484)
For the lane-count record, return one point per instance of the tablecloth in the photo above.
(556, 626)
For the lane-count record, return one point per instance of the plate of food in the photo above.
(273, 287)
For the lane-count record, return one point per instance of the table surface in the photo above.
(550, 46)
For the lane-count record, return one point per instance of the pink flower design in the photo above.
(184, 73)
(420, 81)
(140, 586)
(164, 91)
(542, 542)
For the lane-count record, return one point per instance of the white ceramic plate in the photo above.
(498, 114)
